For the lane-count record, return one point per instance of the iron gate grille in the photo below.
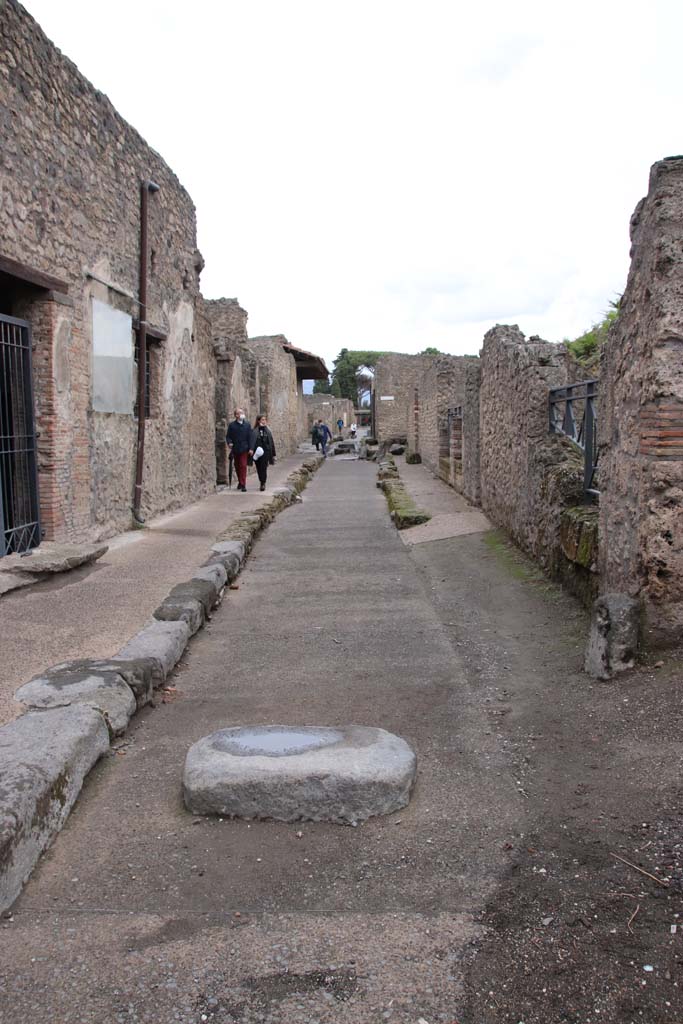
(19, 516)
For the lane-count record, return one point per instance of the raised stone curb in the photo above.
(402, 508)
(181, 609)
(45, 754)
(107, 692)
(162, 643)
(44, 757)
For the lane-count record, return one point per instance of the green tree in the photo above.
(353, 372)
(430, 351)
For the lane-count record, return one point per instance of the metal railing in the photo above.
(19, 515)
(572, 414)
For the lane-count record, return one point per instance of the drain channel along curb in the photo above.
(74, 710)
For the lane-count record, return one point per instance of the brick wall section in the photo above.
(641, 416)
(528, 476)
(396, 375)
(70, 173)
(328, 408)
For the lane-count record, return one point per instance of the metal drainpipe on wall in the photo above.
(146, 187)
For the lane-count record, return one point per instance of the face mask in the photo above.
(241, 419)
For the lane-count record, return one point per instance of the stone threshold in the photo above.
(51, 557)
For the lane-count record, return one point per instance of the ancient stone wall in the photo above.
(394, 384)
(528, 476)
(468, 482)
(641, 417)
(440, 387)
(328, 408)
(279, 392)
(70, 174)
(234, 376)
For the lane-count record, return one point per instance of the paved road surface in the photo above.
(141, 913)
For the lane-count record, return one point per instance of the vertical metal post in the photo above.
(145, 188)
(568, 424)
(31, 440)
(589, 430)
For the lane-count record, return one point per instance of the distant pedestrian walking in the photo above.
(325, 436)
(315, 435)
(340, 424)
(239, 441)
(263, 447)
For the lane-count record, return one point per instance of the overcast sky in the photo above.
(391, 175)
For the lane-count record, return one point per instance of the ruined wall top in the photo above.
(228, 325)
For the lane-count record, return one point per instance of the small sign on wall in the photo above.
(112, 349)
(386, 398)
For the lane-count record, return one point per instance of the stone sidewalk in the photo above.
(91, 612)
(452, 515)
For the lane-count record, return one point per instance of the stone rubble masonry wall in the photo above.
(329, 409)
(440, 387)
(528, 476)
(469, 482)
(238, 372)
(396, 375)
(641, 417)
(279, 394)
(70, 173)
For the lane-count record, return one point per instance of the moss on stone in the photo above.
(403, 509)
(579, 534)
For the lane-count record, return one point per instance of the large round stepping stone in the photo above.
(299, 773)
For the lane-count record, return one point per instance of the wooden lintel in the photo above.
(32, 276)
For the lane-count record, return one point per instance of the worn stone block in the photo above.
(137, 674)
(613, 639)
(185, 609)
(107, 692)
(215, 574)
(15, 581)
(342, 775)
(162, 643)
(230, 547)
(204, 591)
(44, 757)
(55, 558)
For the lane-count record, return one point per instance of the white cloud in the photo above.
(393, 174)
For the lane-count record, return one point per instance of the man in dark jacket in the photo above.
(261, 438)
(239, 442)
(325, 435)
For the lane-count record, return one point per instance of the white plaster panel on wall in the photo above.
(112, 341)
